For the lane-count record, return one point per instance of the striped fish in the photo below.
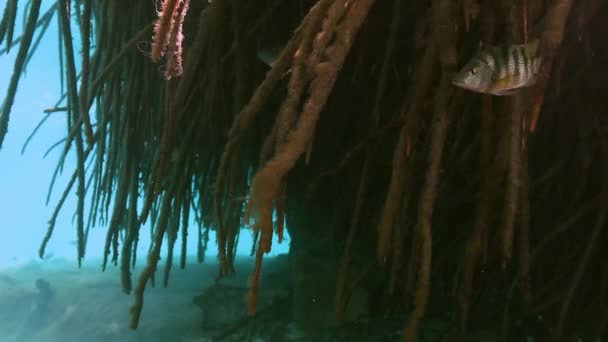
(500, 70)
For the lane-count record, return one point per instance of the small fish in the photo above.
(500, 70)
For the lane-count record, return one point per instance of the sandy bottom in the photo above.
(88, 305)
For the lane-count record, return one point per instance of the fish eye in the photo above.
(473, 71)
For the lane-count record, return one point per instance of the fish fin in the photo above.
(532, 46)
(504, 92)
(503, 83)
(269, 54)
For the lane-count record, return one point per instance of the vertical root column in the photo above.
(266, 183)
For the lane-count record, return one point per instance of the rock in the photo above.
(223, 303)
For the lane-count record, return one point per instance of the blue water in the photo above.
(24, 178)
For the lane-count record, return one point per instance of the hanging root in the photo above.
(514, 167)
(8, 22)
(74, 109)
(580, 270)
(84, 84)
(342, 279)
(478, 239)
(441, 119)
(427, 201)
(280, 204)
(420, 85)
(393, 199)
(168, 35)
(550, 41)
(153, 257)
(245, 118)
(266, 183)
(174, 62)
(301, 74)
(513, 180)
(471, 10)
(524, 226)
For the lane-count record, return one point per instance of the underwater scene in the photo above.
(304, 170)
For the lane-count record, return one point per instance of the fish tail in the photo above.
(534, 55)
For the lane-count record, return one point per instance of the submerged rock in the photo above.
(224, 303)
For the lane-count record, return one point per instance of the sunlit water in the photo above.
(82, 304)
(88, 305)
